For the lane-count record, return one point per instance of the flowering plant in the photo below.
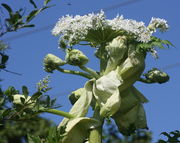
(121, 45)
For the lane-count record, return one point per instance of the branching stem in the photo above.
(75, 73)
(90, 71)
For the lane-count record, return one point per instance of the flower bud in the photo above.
(76, 57)
(51, 62)
(156, 75)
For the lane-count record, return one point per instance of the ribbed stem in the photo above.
(96, 134)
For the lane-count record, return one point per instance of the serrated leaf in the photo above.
(166, 42)
(7, 7)
(33, 3)
(158, 44)
(25, 90)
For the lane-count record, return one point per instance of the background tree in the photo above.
(12, 130)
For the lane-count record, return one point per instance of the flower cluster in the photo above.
(157, 23)
(72, 30)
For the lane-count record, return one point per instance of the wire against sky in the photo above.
(106, 9)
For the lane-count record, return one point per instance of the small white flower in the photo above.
(157, 23)
(72, 30)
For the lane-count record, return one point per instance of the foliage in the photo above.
(14, 106)
(17, 19)
(16, 131)
(172, 137)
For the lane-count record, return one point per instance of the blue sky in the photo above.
(26, 55)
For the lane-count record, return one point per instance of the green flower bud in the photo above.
(76, 57)
(17, 99)
(51, 62)
(156, 75)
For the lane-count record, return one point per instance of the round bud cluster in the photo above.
(76, 57)
(156, 75)
(51, 62)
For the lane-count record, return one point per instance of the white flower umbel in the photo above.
(157, 23)
(72, 30)
(139, 30)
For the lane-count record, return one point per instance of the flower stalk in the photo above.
(75, 73)
(58, 112)
(90, 71)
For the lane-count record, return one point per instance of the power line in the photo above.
(106, 9)
(113, 7)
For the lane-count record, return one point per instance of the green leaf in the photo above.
(166, 42)
(33, 3)
(36, 95)
(6, 112)
(25, 90)
(26, 26)
(22, 100)
(34, 139)
(4, 59)
(7, 7)
(31, 15)
(46, 2)
(10, 91)
(2, 100)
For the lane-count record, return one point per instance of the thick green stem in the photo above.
(75, 73)
(96, 134)
(58, 112)
(90, 71)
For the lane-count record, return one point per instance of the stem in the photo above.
(90, 71)
(146, 80)
(58, 112)
(75, 73)
(96, 134)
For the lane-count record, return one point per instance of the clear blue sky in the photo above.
(26, 55)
